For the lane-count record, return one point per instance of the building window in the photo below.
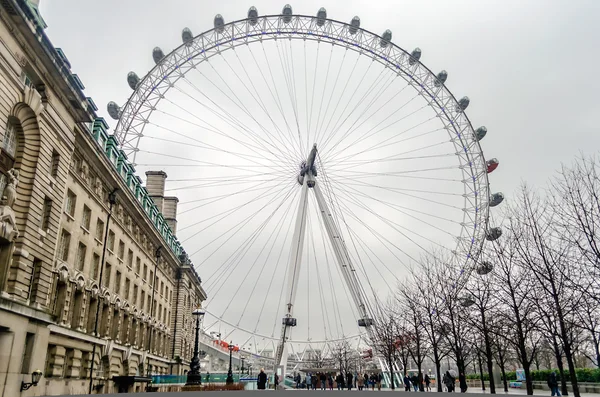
(130, 260)
(81, 251)
(121, 251)
(99, 230)
(86, 219)
(96, 267)
(70, 203)
(54, 164)
(36, 273)
(107, 271)
(46, 214)
(151, 279)
(27, 353)
(127, 288)
(143, 300)
(138, 262)
(118, 283)
(9, 143)
(111, 241)
(135, 295)
(145, 271)
(63, 248)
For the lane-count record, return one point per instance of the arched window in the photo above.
(8, 151)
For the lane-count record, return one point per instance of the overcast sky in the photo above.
(529, 67)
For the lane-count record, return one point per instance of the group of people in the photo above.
(415, 381)
(326, 381)
(450, 382)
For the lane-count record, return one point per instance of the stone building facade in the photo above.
(58, 168)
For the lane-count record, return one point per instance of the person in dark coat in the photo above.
(553, 384)
(462, 381)
(339, 379)
(406, 383)
(315, 380)
(349, 380)
(427, 382)
(323, 379)
(262, 380)
(415, 382)
(330, 381)
(449, 381)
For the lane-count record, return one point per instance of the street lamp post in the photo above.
(229, 380)
(243, 359)
(193, 376)
(112, 200)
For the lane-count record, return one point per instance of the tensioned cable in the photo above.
(387, 221)
(241, 126)
(258, 256)
(290, 82)
(246, 221)
(275, 96)
(259, 100)
(324, 88)
(224, 268)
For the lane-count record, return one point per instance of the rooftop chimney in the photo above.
(170, 212)
(155, 185)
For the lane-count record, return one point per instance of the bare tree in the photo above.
(384, 335)
(547, 260)
(588, 316)
(342, 356)
(410, 306)
(576, 202)
(514, 287)
(484, 303)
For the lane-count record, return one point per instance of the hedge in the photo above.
(591, 375)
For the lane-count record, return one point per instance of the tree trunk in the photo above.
(502, 366)
(481, 371)
(568, 351)
(488, 352)
(561, 367)
(391, 366)
(438, 365)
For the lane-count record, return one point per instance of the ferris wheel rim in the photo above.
(480, 179)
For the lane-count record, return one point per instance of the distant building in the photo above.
(58, 166)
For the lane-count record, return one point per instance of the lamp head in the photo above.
(36, 376)
(199, 312)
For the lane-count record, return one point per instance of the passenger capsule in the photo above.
(415, 56)
(466, 301)
(492, 165)
(354, 25)
(287, 13)
(480, 133)
(441, 78)
(219, 23)
(386, 37)
(463, 104)
(157, 55)
(321, 16)
(133, 80)
(484, 268)
(496, 199)
(187, 36)
(113, 110)
(253, 16)
(493, 234)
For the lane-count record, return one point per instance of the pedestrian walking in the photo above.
(360, 382)
(427, 382)
(276, 381)
(449, 381)
(415, 382)
(315, 380)
(262, 380)
(462, 382)
(308, 381)
(330, 381)
(349, 380)
(379, 379)
(553, 384)
(323, 379)
(406, 383)
(339, 379)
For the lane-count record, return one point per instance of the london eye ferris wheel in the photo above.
(315, 163)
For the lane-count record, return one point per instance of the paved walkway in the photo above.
(471, 390)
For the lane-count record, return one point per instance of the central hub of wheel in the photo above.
(308, 168)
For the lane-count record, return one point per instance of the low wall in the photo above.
(584, 387)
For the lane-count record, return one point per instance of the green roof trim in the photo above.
(126, 171)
